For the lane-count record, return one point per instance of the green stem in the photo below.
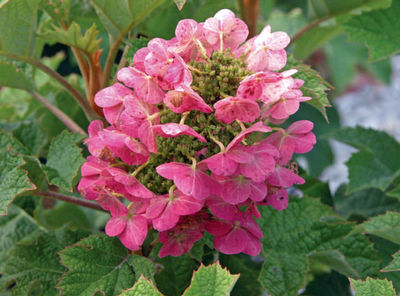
(90, 114)
(306, 28)
(70, 199)
(59, 114)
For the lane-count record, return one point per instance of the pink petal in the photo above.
(221, 208)
(231, 108)
(257, 127)
(145, 86)
(185, 99)
(220, 164)
(279, 199)
(135, 233)
(115, 226)
(232, 243)
(284, 177)
(185, 205)
(171, 129)
(111, 96)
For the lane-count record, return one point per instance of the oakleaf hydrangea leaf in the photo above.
(378, 30)
(73, 37)
(14, 227)
(297, 235)
(18, 38)
(9, 143)
(11, 76)
(64, 160)
(377, 162)
(101, 264)
(363, 203)
(13, 180)
(142, 287)
(35, 266)
(314, 85)
(372, 287)
(395, 264)
(386, 226)
(120, 16)
(211, 280)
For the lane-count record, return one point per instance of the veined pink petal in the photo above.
(283, 177)
(232, 243)
(135, 232)
(172, 129)
(231, 108)
(185, 99)
(144, 85)
(257, 127)
(115, 226)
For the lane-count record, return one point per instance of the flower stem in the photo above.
(59, 114)
(90, 114)
(306, 28)
(70, 199)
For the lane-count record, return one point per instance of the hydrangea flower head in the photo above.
(192, 144)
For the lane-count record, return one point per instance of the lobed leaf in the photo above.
(314, 85)
(307, 232)
(386, 226)
(18, 20)
(34, 266)
(142, 287)
(211, 280)
(330, 8)
(394, 265)
(377, 30)
(101, 264)
(120, 16)
(378, 161)
(372, 287)
(73, 37)
(64, 160)
(14, 227)
(13, 77)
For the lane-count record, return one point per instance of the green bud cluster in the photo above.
(218, 76)
(213, 79)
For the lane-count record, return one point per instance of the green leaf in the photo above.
(120, 16)
(377, 163)
(175, 276)
(13, 77)
(292, 237)
(63, 213)
(13, 180)
(395, 192)
(394, 265)
(289, 22)
(73, 37)
(9, 143)
(211, 280)
(314, 85)
(249, 271)
(31, 134)
(372, 287)
(330, 8)
(377, 30)
(142, 287)
(386, 226)
(14, 227)
(34, 266)
(64, 160)
(18, 20)
(313, 39)
(363, 204)
(180, 3)
(101, 264)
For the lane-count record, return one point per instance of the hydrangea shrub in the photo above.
(194, 141)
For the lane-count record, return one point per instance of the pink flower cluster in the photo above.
(230, 160)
